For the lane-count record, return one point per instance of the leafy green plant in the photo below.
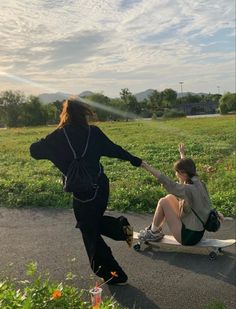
(41, 293)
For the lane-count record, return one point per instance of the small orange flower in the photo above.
(114, 274)
(56, 294)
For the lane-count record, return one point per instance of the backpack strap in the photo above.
(86, 146)
(71, 147)
(197, 216)
(205, 187)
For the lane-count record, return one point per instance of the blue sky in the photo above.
(106, 45)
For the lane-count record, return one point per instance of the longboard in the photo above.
(216, 245)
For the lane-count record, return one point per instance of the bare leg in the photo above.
(168, 208)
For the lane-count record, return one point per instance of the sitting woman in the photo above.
(187, 202)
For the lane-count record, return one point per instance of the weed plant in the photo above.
(39, 292)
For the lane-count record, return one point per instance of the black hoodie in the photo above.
(54, 147)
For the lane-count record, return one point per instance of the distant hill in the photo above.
(52, 97)
(86, 93)
(60, 96)
(140, 96)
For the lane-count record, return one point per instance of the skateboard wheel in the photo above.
(212, 256)
(137, 247)
(220, 250)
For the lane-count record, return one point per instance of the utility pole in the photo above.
(181, 95)
(181, 90)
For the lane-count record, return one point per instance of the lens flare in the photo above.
(101, 106)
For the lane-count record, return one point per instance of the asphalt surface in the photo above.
(159, 277)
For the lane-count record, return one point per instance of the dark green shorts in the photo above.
(189, 237)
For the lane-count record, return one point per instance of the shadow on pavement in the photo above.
(131, 297)
(223, 268)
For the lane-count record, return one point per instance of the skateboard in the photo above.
(215, 245)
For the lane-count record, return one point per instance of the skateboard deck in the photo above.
(215, 244)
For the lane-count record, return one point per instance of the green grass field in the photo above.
(25, 182)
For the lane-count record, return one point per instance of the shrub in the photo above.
(173, 113)
(223, 108)
(159, 113)
(154, 116)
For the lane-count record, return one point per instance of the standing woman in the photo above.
(89, 208)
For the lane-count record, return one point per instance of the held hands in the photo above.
(182, 151)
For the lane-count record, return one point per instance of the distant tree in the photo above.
(118, 107)
(223, 108)
(145, 111)
(211, 98)
(155, 102)
(215, 97)
(10, 102)
(125, 94)
(33, 112)
(190, 98)
(228, 103)
(101, 102)
(53, 111)
(130, 102)
(169, 97)
(58, 105)
(133, 105)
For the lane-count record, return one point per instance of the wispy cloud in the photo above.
(105, 45)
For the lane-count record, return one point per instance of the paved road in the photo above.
(167, 277)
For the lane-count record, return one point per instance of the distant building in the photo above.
(198, 108)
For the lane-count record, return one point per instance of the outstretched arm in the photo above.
(150, 169)
(179, 190)
(182, 151)
(112, 150)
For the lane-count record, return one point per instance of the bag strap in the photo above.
(71, 147)
(205, 187)
(197, 216)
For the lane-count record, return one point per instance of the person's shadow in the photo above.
(130, 297)
(223, 268)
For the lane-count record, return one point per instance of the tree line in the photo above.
(17, 109)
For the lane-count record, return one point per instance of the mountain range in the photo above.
(60, 96)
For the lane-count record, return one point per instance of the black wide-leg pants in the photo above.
(93, 224)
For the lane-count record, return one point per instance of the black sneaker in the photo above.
(127, 230)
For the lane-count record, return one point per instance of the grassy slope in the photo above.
(209, 141)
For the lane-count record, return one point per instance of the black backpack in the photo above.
(79, 179)
(213, 221)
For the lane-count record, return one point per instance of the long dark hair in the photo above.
(74, 112)
(186, 166)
